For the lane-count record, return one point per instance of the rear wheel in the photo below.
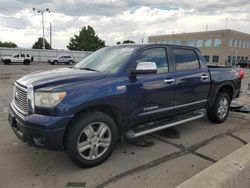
(91, 139)
(70, 62)
(220, 110)
(26, 62)
(55, 62)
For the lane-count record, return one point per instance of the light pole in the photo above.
(42, 11)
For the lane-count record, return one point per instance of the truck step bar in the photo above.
(151, 129)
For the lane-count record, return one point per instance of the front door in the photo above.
(151, 96)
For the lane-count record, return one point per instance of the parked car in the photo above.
(243, 64)
(119, 92)
(24, 58)
(66, 59)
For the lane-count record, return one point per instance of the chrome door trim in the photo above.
(173, 107)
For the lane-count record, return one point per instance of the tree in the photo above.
(8, 44)
(39, 44)
(125, 42)
(86, 40)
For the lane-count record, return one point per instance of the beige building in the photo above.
(218, 47)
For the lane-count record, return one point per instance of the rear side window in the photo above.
(185, 59)
(157, 55)
(27, 55)
(22, 55)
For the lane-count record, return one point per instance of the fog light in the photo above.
(39, 141)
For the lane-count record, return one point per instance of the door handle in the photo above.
(204, 76)
(169, 81)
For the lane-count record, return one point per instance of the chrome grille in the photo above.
(20, 99)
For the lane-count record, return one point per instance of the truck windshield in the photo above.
(108, 59)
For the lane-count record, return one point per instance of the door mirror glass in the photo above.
(145, 68)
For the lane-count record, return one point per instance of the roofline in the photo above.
(143, 45)
(202, 32)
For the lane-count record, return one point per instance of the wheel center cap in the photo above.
(95, 140)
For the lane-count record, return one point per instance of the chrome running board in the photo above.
(137, 133)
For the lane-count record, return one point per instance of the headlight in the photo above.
(49, 99)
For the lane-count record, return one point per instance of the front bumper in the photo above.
(39, 130)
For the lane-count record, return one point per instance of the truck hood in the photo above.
(59, 76)
(6, 57)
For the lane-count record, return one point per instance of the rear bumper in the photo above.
(39, 130)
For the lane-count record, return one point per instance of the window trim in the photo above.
(184, 48)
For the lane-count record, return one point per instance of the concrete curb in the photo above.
(233, 171)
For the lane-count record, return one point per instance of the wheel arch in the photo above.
(226, 87)
(108, 109)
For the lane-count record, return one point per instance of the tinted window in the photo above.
(16, 56)
(185, 59)
(207, 57)
(215, 59)
(22, 55)
(157, 55)
(27, 55)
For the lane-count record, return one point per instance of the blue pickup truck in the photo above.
(119, 92)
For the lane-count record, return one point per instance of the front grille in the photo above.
(20, 99)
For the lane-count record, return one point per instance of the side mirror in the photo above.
(145, 68)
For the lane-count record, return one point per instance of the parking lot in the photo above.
(163, 159)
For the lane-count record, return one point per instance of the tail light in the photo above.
(242, 74)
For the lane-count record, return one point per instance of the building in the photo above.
(218, 47)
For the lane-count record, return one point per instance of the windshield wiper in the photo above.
(89, 69)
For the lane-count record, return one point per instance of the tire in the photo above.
(70, 62)
(55, 62)
(26, 62)
(222, 104)
(6, 62)
(77, 134)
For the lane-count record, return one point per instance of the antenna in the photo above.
(226, 23)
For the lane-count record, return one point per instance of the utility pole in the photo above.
(50, 34)
(42, 11)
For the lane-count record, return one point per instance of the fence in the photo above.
(43, 55)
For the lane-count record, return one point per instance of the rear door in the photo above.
(21, 58)
(192, 79)
(150, 96)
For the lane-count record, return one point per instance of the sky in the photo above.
(117, 20)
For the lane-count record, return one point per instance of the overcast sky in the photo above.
(117, 20)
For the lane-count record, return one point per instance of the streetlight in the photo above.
(42, 12)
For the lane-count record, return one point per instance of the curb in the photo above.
(230, 172)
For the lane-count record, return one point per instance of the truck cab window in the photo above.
(157, 55)
(185, 59)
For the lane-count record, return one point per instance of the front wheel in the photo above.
(220, 110)
(91, 139)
